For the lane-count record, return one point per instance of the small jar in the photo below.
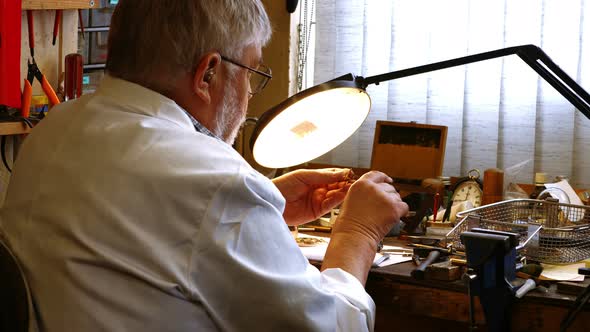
(562, 177)
(540, 179)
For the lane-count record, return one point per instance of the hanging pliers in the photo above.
(33, 73)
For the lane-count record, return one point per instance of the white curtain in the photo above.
(499, 113)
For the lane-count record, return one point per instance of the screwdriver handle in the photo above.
(419, 272)
(74, 68)
(435, 207)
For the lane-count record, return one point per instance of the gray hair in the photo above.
(151, 42)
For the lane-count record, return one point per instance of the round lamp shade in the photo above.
(309, 124)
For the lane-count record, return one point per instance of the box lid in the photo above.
(409, 150)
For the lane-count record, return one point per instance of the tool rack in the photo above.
(15, 128)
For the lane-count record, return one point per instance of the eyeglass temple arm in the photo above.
(531, 54)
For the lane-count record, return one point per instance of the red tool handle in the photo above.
(26, 100)
(435, 207)
(58, 14)
(73, 76)
(30, 23)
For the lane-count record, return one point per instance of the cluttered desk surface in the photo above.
(443, 305)
(539, 243)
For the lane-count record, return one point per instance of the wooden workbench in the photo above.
(406, 304)
(427, 305)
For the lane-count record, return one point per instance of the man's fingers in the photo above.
(324, 176)
(338, 194)
(377, 177)
(387, 187)
(334, 186)
(332, 201)
(404, 209)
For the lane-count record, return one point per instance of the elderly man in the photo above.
(130, 211)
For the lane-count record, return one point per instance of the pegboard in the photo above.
(49, 58)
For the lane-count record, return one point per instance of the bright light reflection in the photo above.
(311, 127)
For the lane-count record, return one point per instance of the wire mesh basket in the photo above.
(564, 236)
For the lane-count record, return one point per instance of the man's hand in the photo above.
(370, 209)
(312, 193)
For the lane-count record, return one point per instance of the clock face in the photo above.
(468, 191)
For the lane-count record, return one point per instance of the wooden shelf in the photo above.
(60, 4)
(13, 128)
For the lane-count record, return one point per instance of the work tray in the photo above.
(564, 236)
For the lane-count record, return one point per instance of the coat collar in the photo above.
(138, 99)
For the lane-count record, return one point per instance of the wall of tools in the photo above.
(48, 33)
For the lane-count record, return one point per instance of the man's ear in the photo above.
(205, 76)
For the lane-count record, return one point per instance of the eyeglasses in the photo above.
(257, 82)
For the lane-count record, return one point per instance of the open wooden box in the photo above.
(409, 150)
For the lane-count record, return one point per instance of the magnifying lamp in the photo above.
(314, 121)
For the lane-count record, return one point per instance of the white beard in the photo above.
(230, 117)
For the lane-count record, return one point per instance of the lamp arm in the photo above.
(555, 76)
(531, 54)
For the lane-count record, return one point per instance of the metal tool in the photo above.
(421, 239)
(446, 251)
(529, 284)
(33, 73)
(324, 229)
(491, 262)
(398, 251)
(419, 271)
(430, 255)
(447, 214)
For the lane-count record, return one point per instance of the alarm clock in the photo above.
(469, 188)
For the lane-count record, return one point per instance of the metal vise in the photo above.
(491, 262)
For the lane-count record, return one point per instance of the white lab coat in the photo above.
(127, 219)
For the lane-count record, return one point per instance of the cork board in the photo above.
(409, 150)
